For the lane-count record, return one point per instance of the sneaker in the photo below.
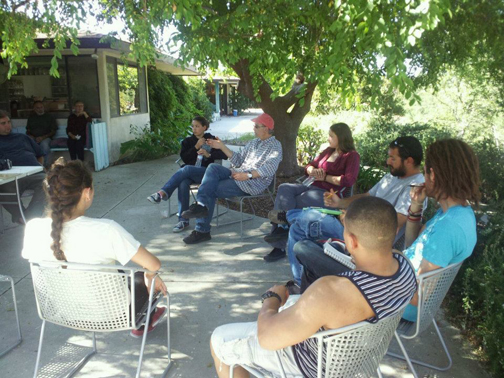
(275, 255)
(156, 318)
(180, 226)
(155, 198)
(197, 237)
(278, 234)
(278, 216)
(195, 211)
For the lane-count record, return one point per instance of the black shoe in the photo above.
(278, 234)
(278, 216)
(274, 255)
(197, 237)
(195, 211)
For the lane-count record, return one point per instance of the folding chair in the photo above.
(270, 190)
(432, 288)
(352, 351)
(19, 339)
(93, 298)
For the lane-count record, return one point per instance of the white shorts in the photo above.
(237, 343)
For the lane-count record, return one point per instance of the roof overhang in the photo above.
(91, 43)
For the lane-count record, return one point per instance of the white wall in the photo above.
(118, 127)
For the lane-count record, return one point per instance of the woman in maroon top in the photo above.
(76, 131)
(336, 168)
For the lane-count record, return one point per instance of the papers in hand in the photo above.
(333, 248)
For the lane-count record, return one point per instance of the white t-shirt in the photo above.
(83, 240)
(396, 190)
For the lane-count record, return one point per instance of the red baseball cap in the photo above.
(266, 120)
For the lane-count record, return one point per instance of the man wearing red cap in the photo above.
(253, 169)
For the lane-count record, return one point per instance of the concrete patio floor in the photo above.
(210, 284)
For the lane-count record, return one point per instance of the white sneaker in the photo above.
(180, 226)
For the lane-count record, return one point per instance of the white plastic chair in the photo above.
(92, 298)
(352, 351)
(432, 288)
(269, 191)
(19, 339)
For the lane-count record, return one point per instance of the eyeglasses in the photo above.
(258, 126)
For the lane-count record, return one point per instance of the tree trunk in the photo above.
(286, 122)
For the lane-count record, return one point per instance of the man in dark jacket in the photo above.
(22, 151)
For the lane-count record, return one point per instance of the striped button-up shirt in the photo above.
(258, 155)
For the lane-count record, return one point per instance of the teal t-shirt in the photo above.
(449, 237)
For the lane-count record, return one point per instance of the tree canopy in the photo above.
(282, 50)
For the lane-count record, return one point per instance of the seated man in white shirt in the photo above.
(253, 170)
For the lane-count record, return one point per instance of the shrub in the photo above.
(368, 177)
(476, 299)
(373, 142)
(200, 99)
(309, 141)
(172, 107)
(240, 102)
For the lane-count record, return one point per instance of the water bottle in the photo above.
(308, 181)
(198, 161)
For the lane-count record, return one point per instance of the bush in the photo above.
(368, 177)
(309, 141)
(476, 299)
(200, 99)
(239, 102)
(172, 107)
(372, 143)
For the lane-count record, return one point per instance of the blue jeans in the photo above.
(45, 145)
(309, 225)
(296, 196)
(182, 180)
(216, 184)
(315, 262)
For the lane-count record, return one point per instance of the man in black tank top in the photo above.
(330, 302)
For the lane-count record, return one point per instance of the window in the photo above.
(78, 81)
(127, 88)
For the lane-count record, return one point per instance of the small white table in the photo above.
(15, 174)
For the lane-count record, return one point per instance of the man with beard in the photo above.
(404, 158)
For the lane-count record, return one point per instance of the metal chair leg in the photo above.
(405, 356)
(20, 338)
(37, 362)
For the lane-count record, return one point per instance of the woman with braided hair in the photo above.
(68, 235)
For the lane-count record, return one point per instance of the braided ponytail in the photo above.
(64, 185)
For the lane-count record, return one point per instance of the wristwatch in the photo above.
(270, 294)
(249, 175)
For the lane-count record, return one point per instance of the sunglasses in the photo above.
(400, 145)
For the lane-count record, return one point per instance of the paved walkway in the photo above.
(211, 284)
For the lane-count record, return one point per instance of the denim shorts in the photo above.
(237, 343)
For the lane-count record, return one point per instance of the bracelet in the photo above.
(270, 294)
(414, 219)
(415, 214)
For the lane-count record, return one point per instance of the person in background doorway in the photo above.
(41, 127)
(76, 131)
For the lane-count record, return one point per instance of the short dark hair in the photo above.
(204, 122)
(37, 102)
(456, 170)
(408, 146)
(345, 138)
(78, 102)
(373, 221)
(4, 114)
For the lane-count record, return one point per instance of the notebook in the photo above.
(333, 248)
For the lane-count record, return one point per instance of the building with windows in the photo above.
(113, 88)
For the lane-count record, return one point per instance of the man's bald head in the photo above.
(373, 221)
